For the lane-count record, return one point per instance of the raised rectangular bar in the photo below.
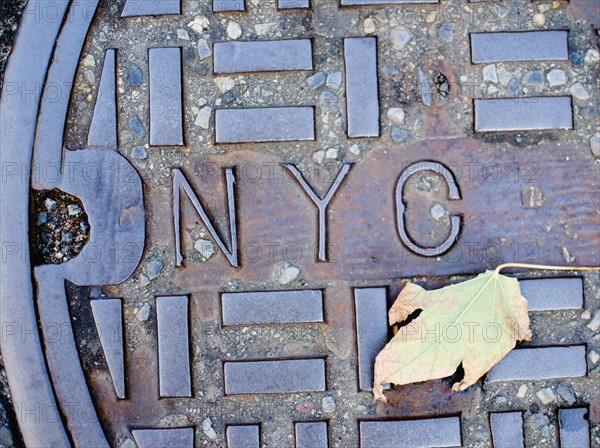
(166, 107)
(523, 114)
(263, 56)
(293, 4)
(553, 293)
(382, 2)
(274, 376)
(243, 436)
(135, 8)
(311, 435)
(164, 437)
(265, 124)
(507, 429)
(173, 346)
(438, 432)
(362, 92)
(272, 307)
(229, 5)
(519, 46)
(574, 428)
(540, 364)
(370, 305)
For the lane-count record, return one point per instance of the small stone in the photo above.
(89, 61)
(430, 17)
(66, 237)
(199, 24)
(539, 19)
(128, 443)
(328, 404)
(139, 152)
(566, 394)
(354, 149)
(224, 84)
(586, 315)
(288, 275)
(208, 429)
(594, 357)
(90, 77)
(579, 92)
(500, 400)
(318, 156)
(154, 268)
(203, 117)
(263, 28)
(400, 134)
(42, 218)
(133, 76)
(183, 35)
(576, 58)
(136, 126)
(595, 322)
(592, 56)
(317, 80)
(546, 396)
(437, 211)
(332, 153)
(204, 50)
(514, 87)
(595, 144)
(334, 80)
(144, 313)
(489, 73)
(144, 280)
(95, 292)
(446, 32)
(395, 115)
(328, 99)
(504, 76)
(534, 81)
(522, 391)
(205, 247)
(368, 26)
(234, 30)
(426, 89)
(73, 209)
(49, 204)
(400, 37)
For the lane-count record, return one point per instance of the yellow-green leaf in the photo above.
(475, 323)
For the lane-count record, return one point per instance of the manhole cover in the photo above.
(224, 198)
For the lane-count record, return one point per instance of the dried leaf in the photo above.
(476, 322)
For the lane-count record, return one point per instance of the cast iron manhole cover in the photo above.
(208, 208)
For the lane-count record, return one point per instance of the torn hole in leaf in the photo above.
(412, 316)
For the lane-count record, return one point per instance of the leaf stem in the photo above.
(545, 267)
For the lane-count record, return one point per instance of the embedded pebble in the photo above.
(369, 26)
(288, 275)
(446, 32)
(318, 156)
(546, 396)
(437, 211)
(400, 37)
(204, 50)
(203, 117)
(332, 153)
(489, 73)
(595, 322)
(595, 144)
(89, 61)
(144, 313)
(400, 134)
(556, 77)
(566, 394)
(154, 268)
(234, 30)
(426, 89)
(395, 115)
(522, 391)
(208, 429)
(139, 152)
(594, 357)
(206, 248)
(317, 80)
(73, 209)
(578, 91)
(354, 149)
(224, 84)
(183, 35)
(334, 80)
(328, 404)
